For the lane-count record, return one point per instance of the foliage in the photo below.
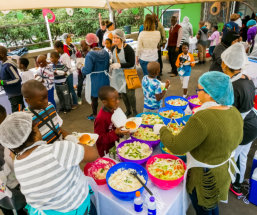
(81, 23)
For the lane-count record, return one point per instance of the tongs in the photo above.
(134, 173)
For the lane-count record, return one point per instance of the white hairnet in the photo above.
(234, 56)
(15, 129)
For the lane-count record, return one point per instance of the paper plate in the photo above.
(137, 120)
(119, 118)
(74, 137)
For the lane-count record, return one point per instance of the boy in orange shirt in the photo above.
(184, 62)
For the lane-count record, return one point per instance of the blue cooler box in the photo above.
(254, 166)
(253, 188)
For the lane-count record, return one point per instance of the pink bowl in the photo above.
(164, 184)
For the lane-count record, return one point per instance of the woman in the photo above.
(49, 174)
(148, 40)
(187, 30)
(96, 71)
(123, 58)
(244, 92)
(214, 38)
(108, 34)
(68, 47)
(251, 33)
(210, 136)
(226, 41)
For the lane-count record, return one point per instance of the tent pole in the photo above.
(49, 32)
(111, 15)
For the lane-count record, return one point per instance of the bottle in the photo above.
(138, 202)
(151, 205)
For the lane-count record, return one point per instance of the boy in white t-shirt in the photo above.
(25, 73)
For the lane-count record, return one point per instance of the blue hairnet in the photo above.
(251, 22)
(240, 13)
(218, 86)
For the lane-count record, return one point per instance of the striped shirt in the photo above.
(49, 114)
(59, 67)
(47, 75)
(50, 177)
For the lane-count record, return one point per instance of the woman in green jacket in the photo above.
(209, 138)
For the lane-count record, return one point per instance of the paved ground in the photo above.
(77, 121)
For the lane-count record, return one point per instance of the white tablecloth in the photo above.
(169, 202)
(4, 101)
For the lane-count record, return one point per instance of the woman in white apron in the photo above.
(209, 138)
(123, 58)
(96, 71)
(234, 58)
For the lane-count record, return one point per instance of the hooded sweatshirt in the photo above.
(203, 36)
(187, 30)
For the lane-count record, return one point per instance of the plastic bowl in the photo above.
(164, 184)
(191, 105)
(182, 157)
(144, 125)
(89, 165)
(175, 107)
(167, 120)
(150, 143)
(126, 196)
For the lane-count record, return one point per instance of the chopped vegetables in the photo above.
(168, 151)
(195, 101)
(167, 169)
(177, 102)
(151, 119)
(171, 114)
(174, 128)
(146, 134)
(135, 151)
(99, 168)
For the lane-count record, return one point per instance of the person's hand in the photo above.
(99, 15)
(177, 49)
(115, 66)
(167, 84)
(120, 132)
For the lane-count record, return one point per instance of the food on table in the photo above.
(146, 134)
(177, 102)
(175, 128)
(135, 151)
(151, 119)
(195, 101)
(86, 139)
(168, 151)
(130, 125)
(123, 181)
(166, 168)
(171, 114)
(100, 168)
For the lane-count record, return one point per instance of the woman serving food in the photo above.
(209, 138)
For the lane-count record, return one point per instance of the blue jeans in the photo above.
(143, 65)
(211, 49)
(71, 89)
(200, 210)
(51, 97)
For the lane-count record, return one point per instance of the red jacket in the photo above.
(173, 36)
(106, 130)
(66, 49)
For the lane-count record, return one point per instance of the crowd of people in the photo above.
(45, 175)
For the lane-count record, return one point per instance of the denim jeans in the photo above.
(211, 49)
(200, 210)
(71, 89)
(143, 65)
(51, 96)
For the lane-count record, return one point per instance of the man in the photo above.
(68, 47)
(11, 81)
(100, 33)
(159, 27)
(202, 37)
(174, 48)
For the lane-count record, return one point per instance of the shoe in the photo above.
(236, 189)
(79, 101)
(91, 117)
(169, 72)
(173, 75)
(203, 62)
(200, 62)
(184, 96)
(61, 110)
(74, 107)
(128, 113)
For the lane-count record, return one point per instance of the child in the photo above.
(153, 93)
(11, 81)
(60, 77)
(44, 113)
(184, 62)
(45, 75)
(65, 59)
(25, 73)
(214, 38)
(108, 48)
(103, 126)
(8, 180)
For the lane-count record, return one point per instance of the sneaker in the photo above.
(173, 75)
(128, 113)
(184, 96)
(236, 189)
(79, 101)
(91, 117)
(74, 107)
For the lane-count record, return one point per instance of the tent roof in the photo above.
(101, 4)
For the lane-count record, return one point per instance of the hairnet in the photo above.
(120, 34)
(229, 37)
(234, 56)
(240, 13)
(91, 39)
(15, 129)
(251, 22)
(218, 86)
(66, 35)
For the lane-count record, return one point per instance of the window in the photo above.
(167, 16)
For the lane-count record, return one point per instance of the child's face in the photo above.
(68, 40)
(108, 45)
(54, 60)
(39, 100)
(113, 101)
(185, 49)
(21, 66)
(59, 50)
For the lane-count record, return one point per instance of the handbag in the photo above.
(131, 76)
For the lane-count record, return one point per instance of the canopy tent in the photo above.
(101, 4)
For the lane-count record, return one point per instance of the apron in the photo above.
(118, 80)
(88, 85)
(192, 162)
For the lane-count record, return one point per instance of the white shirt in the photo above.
(26, 76)
(65, 59)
